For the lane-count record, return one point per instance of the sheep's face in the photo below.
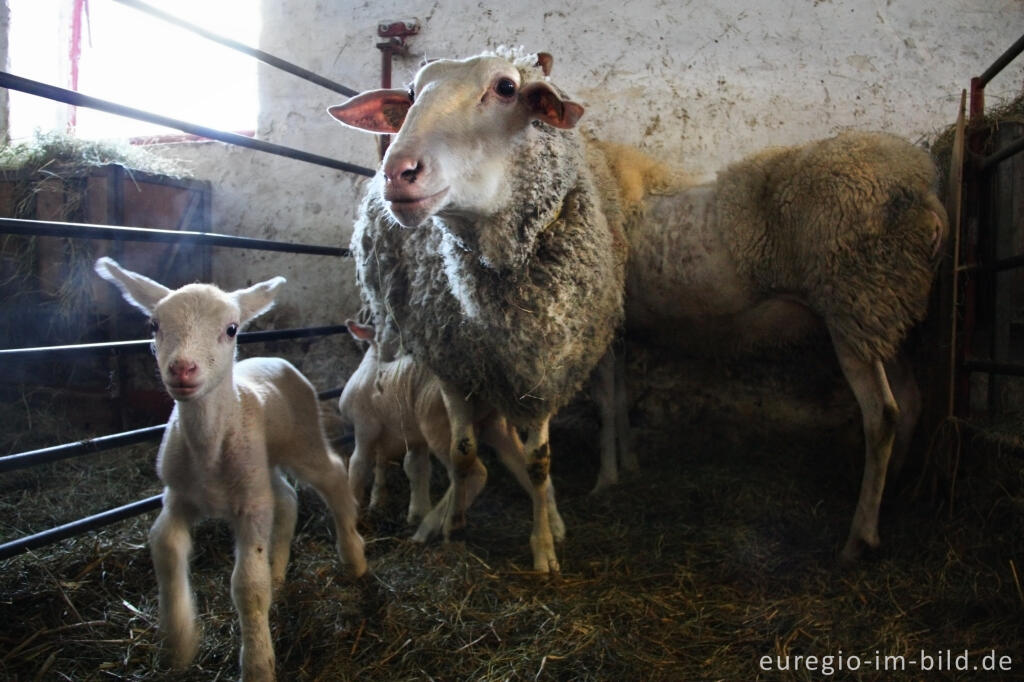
(194, 335)
(194, 327)
(458, 127)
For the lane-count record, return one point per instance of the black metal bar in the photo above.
(82, 447)
(10, 81)
(244, 49)
(330, 393)
(1006, 152)
(1007, 368)
(89, 446)
(49, 228)
(1008, 263)
(1000, 63)
(139, 345)
(46, 537)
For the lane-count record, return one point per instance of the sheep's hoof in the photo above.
(544, 559)
(180, 649)
(855, 549)
(603, 484)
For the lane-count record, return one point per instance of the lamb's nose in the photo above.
(183, 370)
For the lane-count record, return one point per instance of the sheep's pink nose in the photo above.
(183, 370)
(402, 169)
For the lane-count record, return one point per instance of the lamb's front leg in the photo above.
(250, 592)
(538, 453)
(170, 543)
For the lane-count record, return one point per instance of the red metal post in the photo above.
(395, 34)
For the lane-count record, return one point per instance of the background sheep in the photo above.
(231, 428)
(507, 278)
(842, 234)
(396, 406)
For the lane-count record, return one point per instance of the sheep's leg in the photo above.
(440, 517)
(880, 415)
(501, 436)
(250, 592)
(326, 473)
(286, 508)
(908, 398)
(602, 390)
(463, 448)
(538, 449)
(627, 456)
(170, 543)
(417, 469)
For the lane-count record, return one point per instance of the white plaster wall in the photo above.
(697, 83)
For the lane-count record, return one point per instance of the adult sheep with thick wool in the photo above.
(842, 234)
(491, 244)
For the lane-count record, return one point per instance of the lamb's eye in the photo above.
(412, 94)
(231, 330)
(506, 87)
(154, 326)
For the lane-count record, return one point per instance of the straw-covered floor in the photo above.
(720, 552)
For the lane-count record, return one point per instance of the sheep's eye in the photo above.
(412, 94)
(231, 330)
(506, 87)
(154, 326)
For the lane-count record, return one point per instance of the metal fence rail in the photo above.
(981, 265)
(12, 82)
(91, 231)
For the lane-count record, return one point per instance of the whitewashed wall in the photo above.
(697, 83)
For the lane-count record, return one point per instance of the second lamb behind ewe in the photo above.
(232, 430)
(397, 406)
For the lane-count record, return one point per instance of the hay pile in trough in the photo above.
(721, 552)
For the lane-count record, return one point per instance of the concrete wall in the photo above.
(698, 83)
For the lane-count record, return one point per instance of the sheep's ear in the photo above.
(141, 292)
(257, 299)
(376, 111)
(544, 104)
(360, 332)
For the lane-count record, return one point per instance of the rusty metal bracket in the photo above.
(395, 34)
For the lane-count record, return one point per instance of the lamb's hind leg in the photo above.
(285, 512)
(325, 471)
(880, 415)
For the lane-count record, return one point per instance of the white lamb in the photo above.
(398, 406)
(233, 427)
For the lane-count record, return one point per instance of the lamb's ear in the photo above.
(141, 292)
(360, 332)
(257, 299)
(376, 111)
(545, 61)
(544, 104)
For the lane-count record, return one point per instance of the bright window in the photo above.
(131, 58)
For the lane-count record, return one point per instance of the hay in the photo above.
(721, 552)
(57, 154)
